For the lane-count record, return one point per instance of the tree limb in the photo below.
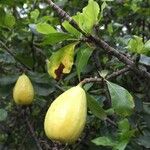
(100, 43)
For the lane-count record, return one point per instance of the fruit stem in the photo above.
(80, 84)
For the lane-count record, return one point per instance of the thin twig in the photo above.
(33, 51)
(88, 80)
(114, 74)
(111, 122)
(23, 140)
(32, 132)
(119, 72)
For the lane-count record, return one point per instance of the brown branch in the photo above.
(119, 72)
(111, 51)
(65, 15)
(100, 43)
(88, 80)
(111, 122)
(113, 75)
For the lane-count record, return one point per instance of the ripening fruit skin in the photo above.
(23, 92)
(66, 117)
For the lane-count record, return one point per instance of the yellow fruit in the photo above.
(66, 117)
(23, 92)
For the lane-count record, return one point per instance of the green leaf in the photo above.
(5, 90)
(103, 73)
(34, 14)
(124, 125)
(146, 107)
(54, 38)
(144, 141)
(95, 108)
(28, 61)
(124, 134)
(86, 20)
(70, 28)
(89, 16)
(3, 114)
(9, 20)
(61, 61)
(122, 100)
(83, 56)
(136, 45)
(7, 2)
(2, 12)
(110, 28)
(144, 60)
(147, 47)
(45, 28)
(43, 89)
(87, 86)
(121, 145)
(9, 79)
(103, 6)
(104, 141)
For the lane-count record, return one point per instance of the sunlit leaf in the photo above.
(45, 28)
(89, 16)
(124, 134)
(124, 125)
(136, 45)
(121, 145)
(9, 20)
(54, 38)
(34, 14)
(104, 141)
(71, 29)
(61, 61)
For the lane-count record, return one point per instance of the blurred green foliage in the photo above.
(31, 32)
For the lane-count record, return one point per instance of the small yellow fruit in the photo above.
(66, 117)
(23, 92)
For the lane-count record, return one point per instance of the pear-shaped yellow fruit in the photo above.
(23, 92)
(66, 117)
